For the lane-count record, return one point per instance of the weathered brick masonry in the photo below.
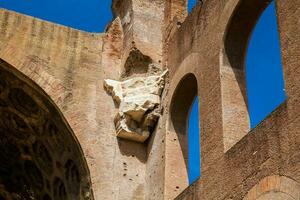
(54, 110)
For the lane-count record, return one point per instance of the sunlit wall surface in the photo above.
(265, 84)
(194, 143)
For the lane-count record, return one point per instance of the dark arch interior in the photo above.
(39, 156)
(182, 101)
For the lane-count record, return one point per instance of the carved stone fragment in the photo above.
(138, 101)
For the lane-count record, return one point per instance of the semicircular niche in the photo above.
(39, 155)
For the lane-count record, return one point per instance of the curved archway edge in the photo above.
(176, 138)
(274, 186)
(41, 152)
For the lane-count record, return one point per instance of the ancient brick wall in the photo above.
(203, 51)
(232, 160)
(67, 64)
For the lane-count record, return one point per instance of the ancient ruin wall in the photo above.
(71, 65)
(67, 64)
(229, 171)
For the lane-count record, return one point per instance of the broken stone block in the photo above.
(138, 101)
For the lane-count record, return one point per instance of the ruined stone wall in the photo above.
(71, 66)
(143, 23)
(230, 168)
(67, 64)
(40, 157)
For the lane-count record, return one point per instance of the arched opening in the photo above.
(40, 157)
(183, 126)
(264, 75)
(235, 96)
(193, 142)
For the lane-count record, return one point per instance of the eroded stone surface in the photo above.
(138, 101)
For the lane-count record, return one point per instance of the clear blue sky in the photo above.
(193, 141)
(87, 15)
(265, 86)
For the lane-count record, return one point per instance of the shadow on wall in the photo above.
(181, 105)
(133, 149)
(40, 157)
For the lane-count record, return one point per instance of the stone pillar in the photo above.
(142, 21)
(176, 8)
(174, 14)
(288, 15)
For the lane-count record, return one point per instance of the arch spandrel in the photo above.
(40, 156)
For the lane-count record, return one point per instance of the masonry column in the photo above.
(288, 14)
(142, 21)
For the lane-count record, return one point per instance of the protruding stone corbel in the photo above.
(138, 101)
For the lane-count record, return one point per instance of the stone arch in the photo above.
(40, 156)
(237, 15)
(183, 97)
(275, 187)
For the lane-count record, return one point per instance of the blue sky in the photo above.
(87, 15)
(193, 132)
(265, 85)
(193, 141)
